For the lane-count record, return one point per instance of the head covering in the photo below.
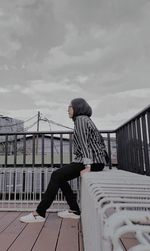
(80, 107)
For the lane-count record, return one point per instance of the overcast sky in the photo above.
(52, 51)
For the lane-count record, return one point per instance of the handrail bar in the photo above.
(139, 114)
(49, 132)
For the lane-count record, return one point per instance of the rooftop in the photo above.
(55, 234)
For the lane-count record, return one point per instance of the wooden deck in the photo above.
(55, 234)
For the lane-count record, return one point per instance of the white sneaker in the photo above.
(68, 214)
(30, 218)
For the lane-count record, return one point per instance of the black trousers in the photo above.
(58, 180)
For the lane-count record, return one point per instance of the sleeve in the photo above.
(82, 131)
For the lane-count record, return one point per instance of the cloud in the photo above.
(113, 111)
(3, 90)
(50, 95)
(12, 26)
(24, 25)
(113, 121)
(109, 58)
(52, 51)
(47, 87)
(108, 14)
(122, 105)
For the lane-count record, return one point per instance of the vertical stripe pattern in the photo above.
(89, 145)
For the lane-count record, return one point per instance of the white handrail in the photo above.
(105, 196)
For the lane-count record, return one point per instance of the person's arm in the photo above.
(82, 132)
(86, 170)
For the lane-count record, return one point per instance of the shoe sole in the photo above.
(31, 221)
(69, 217)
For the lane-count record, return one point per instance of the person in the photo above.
(90, 155)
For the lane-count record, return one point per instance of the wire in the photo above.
(28, 127)
(42, 119)
(55, 123)
(49, 126)
(19, 123)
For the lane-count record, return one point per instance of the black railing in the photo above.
(45, 149)
(133, 143)
(128, 146)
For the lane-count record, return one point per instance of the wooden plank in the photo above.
(2, 214)
(27, 237)
(81, 244)
(7, 219)
(68, 239)
(129, 240)
(48, 237)
(8, 236)
(54, 234)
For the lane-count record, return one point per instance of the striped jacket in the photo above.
(89, 145)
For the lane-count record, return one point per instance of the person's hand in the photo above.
(86, 170)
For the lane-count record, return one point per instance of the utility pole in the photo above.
(38, 121)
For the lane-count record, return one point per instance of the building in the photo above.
(10, 125)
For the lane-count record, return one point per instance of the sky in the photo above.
(52, 51)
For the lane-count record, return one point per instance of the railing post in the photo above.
(24, 150)
(133, 143)
(42, 150)
(33, 151)
(15, 150)
(145, 145)
(52, 150)
(61, 150)
(6, 150)
(109, 151)
(140, 153)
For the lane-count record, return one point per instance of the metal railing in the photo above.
(28, 157)
(22, 188)
(41, 149)
(35, 149)
(133, 143)
(27, 161)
